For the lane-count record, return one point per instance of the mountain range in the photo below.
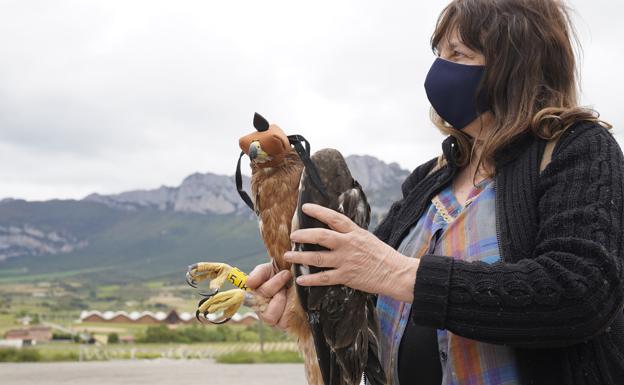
(147, 234)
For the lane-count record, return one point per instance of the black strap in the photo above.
(239, 184)
(304, 155)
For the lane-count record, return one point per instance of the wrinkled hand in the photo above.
(358, 258)
(266, 283)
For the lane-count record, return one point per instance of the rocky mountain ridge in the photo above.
(211, 193)
(57, 227)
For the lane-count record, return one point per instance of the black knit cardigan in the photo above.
(556, 296)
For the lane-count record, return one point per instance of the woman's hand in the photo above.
(358, 258)
(266, 283)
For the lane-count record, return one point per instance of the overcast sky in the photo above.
(109, 96)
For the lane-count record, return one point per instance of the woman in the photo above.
(502, 263)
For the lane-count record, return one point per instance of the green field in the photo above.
(125, 247)
(234, 352)
(59, 302)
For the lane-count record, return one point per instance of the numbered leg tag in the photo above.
(237, 278)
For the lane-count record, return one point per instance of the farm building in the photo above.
(31, 335)
(147, 317)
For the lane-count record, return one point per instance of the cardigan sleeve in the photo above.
(570, 288)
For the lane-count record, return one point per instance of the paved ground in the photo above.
(152, 372)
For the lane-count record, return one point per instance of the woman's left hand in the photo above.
(358, 258)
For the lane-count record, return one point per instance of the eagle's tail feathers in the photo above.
(375, 374)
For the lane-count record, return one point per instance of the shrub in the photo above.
(113, 338)
(221, 333)
(147, 355)
(270, 334)
(227, 333)
(242, 357)
(19, 355)
(248, 336)
(202, 334)
(61, 336)
(162, 334)
(61, 356)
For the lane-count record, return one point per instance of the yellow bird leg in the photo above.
(228, 302)
(216, 272)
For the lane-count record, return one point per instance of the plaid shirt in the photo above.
(468, 233)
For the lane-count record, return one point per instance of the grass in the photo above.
(19, 355)
(244, 357)
(12, 272)
(230, 352)
(48, 276)
(7, 321)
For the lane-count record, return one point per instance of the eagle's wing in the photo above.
(343, 320)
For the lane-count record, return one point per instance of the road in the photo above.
(150, 372)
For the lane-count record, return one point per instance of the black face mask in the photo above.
(298, 142)
(452, 90)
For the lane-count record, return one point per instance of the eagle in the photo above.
(336, 326)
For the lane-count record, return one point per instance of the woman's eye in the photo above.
(458, 53)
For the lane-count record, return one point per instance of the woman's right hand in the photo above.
(266, 283)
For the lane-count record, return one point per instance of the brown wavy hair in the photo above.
(530, 79)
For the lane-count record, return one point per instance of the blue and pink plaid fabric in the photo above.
(467, 233)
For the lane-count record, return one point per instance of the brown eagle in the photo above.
(336, 326)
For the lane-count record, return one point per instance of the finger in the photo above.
(316, 236)
(275, 309)
(275, 284)
(324, 278)
(259, 275)
(313, 258)
(332, 218)
(283, 322)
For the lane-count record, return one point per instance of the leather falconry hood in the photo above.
(275, 143)
(272, 140)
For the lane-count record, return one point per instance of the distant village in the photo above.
(34, 334)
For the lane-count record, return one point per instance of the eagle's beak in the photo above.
(253, 151)
(257, 154)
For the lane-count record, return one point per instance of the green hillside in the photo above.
(123, 246)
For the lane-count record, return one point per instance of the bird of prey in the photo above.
(335, 326)
(343, 320)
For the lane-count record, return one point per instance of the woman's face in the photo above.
(452, 49)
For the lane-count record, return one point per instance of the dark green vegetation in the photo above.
(243, 357)
(221, 333)
(33, 354)
(19, 355)
(125, 246)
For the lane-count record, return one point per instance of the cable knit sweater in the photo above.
(557, 294)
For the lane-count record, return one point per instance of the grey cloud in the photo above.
(114, 95)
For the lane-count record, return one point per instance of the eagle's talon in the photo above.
(205, 316)
(225, 303)
(219, 322)
(215, 272)
(201, 302)
(189, 279)
(208, 295)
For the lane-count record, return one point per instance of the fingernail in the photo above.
(300, 280)
(287, 256)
